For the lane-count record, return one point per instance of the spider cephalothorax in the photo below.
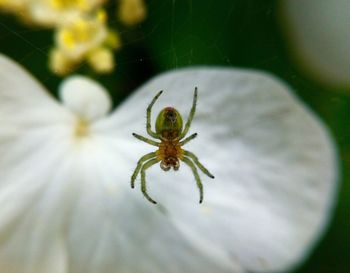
(169, 130)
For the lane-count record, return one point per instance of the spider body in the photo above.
(169, 127)
(169, 153)
(171, 133)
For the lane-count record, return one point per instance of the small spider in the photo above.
(171, 134)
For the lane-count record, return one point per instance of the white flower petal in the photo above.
(318, 32)
(122, 233)
(67, 200)
(85, 97)
(26, 111)
(77, 212)
(31, 239)
(273, 161)
(21, 95)
(33, 127)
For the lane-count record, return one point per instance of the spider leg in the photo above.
(187, 139)
(190, 117)
(143, 178)
(195, 159)
(139, 165)
(149, 110)
(196, 176)
(149, 141)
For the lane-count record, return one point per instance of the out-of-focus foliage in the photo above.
(237, 33)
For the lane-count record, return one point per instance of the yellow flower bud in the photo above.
(113, 40)
(59, 63)
(131, 12)
(79, 37)
(101, 60)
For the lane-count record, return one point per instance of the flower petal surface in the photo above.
(67, 205)
(273, 160)
(85, 98)
(34, 136)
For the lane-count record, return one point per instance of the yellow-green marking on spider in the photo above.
(170, 132)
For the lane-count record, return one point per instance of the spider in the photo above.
(170, 132)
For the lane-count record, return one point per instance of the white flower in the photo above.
(65, 196)
(319, 38)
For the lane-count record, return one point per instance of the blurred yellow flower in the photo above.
(77, 37)
(13, 5)
(131, 12)
(52, 13)
(86, 38)
(101, 60)
(81, 29)
(60, 64)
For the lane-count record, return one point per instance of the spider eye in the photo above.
(171, 116)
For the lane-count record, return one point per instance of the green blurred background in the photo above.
(237, 33)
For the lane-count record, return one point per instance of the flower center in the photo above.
(81, 128)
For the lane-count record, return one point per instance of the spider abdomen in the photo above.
(169, 123)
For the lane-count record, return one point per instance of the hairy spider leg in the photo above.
(147, 140)
(196, 176)
(187, 139)
(139, 165)
(195, 159)
(190, 117)
(149, 109)
(143, 178)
